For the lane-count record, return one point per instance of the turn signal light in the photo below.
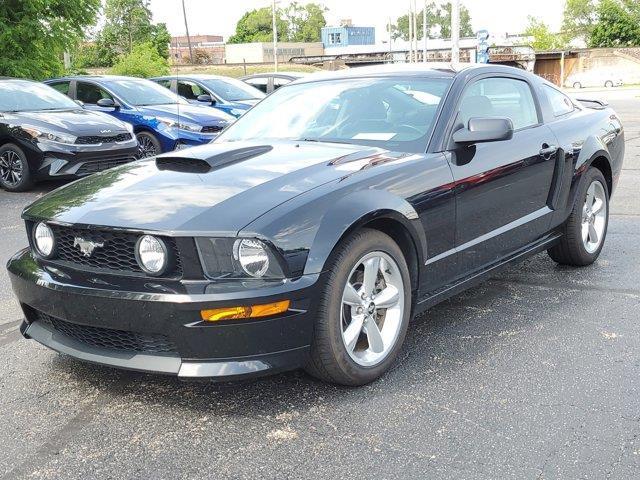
(253, 311)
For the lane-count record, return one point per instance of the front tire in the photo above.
(15, 175)
(608, 84)
(577, 85)
(148, 145)
(585, 230)
(364, 310)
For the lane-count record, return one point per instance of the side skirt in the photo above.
(477, 278)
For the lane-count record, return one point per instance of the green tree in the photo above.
(256, 26)
(578, 19)
(34, 34)
(617, 25)
(143, 61)
(543, 38)
(304, 22)
(438, 23)
(127, 24)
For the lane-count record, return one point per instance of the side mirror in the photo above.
(206, 99)
(106, 103)
(484, 129)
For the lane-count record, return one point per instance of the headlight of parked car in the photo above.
(238, 258)
(44, 135)
(151, 254)
(43, 239)
(190, 127)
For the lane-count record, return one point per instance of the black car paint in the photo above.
(78, 122)
(458, 213)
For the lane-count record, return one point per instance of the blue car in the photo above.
(162, 121)
(223, 93)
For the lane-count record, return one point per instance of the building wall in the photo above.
(263, 52)
(347, 35)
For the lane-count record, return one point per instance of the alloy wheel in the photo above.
(146, 148)
(11, 168)
(372, 308)
(594, 216)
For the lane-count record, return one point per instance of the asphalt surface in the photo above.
(534, 374)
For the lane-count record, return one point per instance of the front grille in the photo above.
(100, 165)
(97, 139)
(108, 338)
(116, 255)
(212, 129)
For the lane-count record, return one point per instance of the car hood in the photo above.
(245, 103)
(76, 122)
(215, 189)
(193, 113)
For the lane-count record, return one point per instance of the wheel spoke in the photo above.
(597, 205)
(387, 298)
(593, 234)
(585, 232)
(352, 333)
(371, 268)
(590, 195)
(350, 295)
(373, 335)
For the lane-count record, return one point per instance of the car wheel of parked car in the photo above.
(149, 145)
(14, 169)
(608, 84)
(577, 85)
(364, 310)
(585, 230)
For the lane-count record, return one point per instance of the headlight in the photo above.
(43, 239)
(151, 254)
(230, 258)
(190, 127)
(44, 135)
(236, 112)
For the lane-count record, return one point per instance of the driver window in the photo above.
(90, 93)
(190, 90)
(499, 97)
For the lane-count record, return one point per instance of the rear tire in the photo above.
(584, 232)
(577, 85)
(148, 145)
(356, 339)
(15, 175)
(608, 84)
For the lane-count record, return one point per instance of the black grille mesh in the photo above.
(96, 139)
(109, 338)
(212, 129)
(100, 165)
(116, 254)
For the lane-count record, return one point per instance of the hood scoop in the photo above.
(209, 164)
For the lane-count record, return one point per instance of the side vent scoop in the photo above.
(209, 164)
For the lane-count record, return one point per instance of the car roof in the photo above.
(276, 74)
(96, 77)
(195, 76)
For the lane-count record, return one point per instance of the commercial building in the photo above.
(206, 49)
(262, 52)
(346, 35)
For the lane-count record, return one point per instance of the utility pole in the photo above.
(410, 33)
(390, 39)
(424, 32)
(455, 31)
(275, 36)
(186, 27)
(415, 29)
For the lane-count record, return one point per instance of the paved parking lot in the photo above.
(534, 374)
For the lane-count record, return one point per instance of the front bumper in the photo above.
(176, 139)
(221, 350)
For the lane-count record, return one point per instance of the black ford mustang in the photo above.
(310, 231)
(44, 134)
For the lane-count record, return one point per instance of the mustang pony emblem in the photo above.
(86, 246)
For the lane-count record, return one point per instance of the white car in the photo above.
(593, 79)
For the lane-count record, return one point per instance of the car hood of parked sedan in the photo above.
(217, 188)
(76, 121)
(192, 113)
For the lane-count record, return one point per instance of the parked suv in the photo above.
(45, 134)
(162, 121)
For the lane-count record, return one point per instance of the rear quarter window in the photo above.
(560, 103)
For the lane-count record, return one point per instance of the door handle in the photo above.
(547, 150)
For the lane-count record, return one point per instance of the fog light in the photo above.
(253, 311)
(43, 239)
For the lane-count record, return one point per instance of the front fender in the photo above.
(355, 210)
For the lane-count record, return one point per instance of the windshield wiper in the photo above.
(322, 140)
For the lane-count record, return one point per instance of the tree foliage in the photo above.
(35, 33)
(143, 61)
(543, 38)
(129, 23)
(296, 23)
(618, 24)
(438, 23)
(578, 19)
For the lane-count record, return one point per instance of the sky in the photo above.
(220, 16)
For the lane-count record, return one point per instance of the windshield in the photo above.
(142, 92)
(20, 96)
(392, 113)
(232, 90)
